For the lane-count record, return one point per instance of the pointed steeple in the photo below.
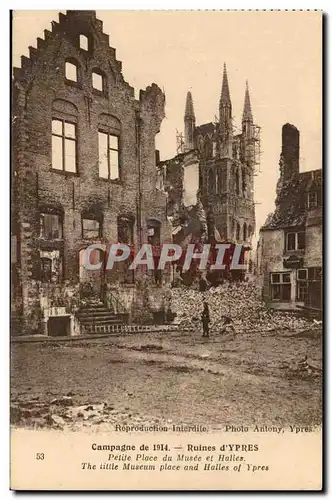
(225, 118)
(247, 113)
(225, 97)
(189, 123)
(189, 109)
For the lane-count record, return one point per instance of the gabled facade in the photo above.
(84, 165)
(290, 243)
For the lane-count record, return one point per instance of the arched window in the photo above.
(201, 144)
(84, 42)
(237, 182)
(125, 229)
(238, 231)
(200, 179)
(72, 72)
(212, 181)
(51, 223)
(91, 227)
(234, 229)
(219, 181)
(245, 234)
(244, 182)
(250, 231)
(153, 230)
(45, 270)
(208, 149)
(98, 80)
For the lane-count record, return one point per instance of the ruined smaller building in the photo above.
(289, 254)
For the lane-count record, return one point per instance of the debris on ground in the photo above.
(239, 302)
(55, 421)
(302, 369)
(64, 401)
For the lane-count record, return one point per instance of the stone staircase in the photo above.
(97, 318)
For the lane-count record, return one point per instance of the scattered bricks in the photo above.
(239, 303)
(64, 401)
(55, 420)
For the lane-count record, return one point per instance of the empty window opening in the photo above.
(125, 230)
(51, 266)
(63, 145)
(50, 226)
(46, 270)
(71, 72)
(238, 231)
(84, 42)
(98, 81)
(237, 183)
(212, 181)
(91, 229)
(108, 156)
(244, 182)
(245, 234)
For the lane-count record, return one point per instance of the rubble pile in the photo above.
(239, 301)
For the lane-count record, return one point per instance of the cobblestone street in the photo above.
(172, 377)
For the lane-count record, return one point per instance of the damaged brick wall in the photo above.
(42, 92)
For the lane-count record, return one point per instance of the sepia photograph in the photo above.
(166, 249)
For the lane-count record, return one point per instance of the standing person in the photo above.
(205, 319)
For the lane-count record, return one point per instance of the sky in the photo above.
(279, 53)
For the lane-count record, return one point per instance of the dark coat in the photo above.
(206, 314)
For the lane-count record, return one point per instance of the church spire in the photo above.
(225, 117)
(189, 109)
(247, 113)
(189, 123)
(225, 98)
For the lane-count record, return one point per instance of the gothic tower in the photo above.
(225, 118)
(247, 127)
(189, 123)
(247, 119)
(248, 146)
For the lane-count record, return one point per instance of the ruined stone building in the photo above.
(83, 170)
(213, 175)
(290, 245)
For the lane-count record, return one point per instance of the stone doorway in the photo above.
(92, 281)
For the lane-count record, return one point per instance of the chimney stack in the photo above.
(290, 151)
